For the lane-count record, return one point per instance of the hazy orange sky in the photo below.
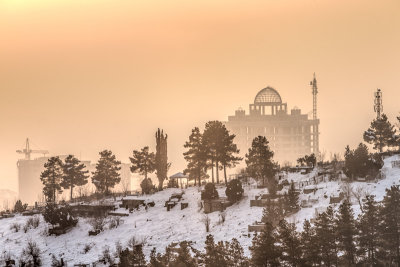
(81, 76)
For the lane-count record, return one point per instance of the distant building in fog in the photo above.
(30, 187)
(290, 135)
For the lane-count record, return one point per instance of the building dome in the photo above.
(268, 95)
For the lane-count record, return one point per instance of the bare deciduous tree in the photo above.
(346, 189)
(126, 184)
(360, 192)
(206, 220)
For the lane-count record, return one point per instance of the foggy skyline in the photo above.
(79, 78)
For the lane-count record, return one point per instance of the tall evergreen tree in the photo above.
(293, 198)
(290, 242)
(346, 231)
(107, 174)
(228, 153)
(273, 212)
(183, 257)
(326, 238)
(196, 157)
(390, 228)
(51, 178)
(215, 254)
(74, 174)
(368, 225)
(143, 161)
(236, 254)
(133, 257)
(213, 136)
(309, 245)
(381, 133)
(259, 161)
(161, 158)
(265, 251)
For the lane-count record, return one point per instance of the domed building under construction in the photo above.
(290, 135)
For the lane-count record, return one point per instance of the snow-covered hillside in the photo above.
(160, 227)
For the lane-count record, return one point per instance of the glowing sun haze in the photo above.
(81, 76)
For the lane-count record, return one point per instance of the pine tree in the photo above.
(146, 185)
(156, 259)
(236, 257)
(259, 161)
(309, 245)
(18, 207)
(234, 190)
(326, 238)
(293, 198)
(51, 178)
(161, 158)
(214, 253)
(381, 133)
(368, 225)
(74, 174)
(265, 251)
(107, 174)
(134, 258)
(390, 228)
(214, 145)
(143, 161)
(196, 157)
(273, 212)
(210, 192)
(346, 231)
(228, 152)
(183, 257)
(290, 242)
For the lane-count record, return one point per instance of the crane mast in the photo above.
(27, 151)
(315, 132)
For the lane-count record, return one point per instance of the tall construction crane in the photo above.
(28, 151)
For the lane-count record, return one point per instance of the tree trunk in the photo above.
(226, 181)
(217, 170)
(200, 177)
(71, 192)
(212, 171)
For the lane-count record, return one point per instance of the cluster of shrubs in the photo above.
(59, 216)
(234, 191)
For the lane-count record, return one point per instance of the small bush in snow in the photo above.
(118, 248)
(15, 226)
(32, 222)
(206, 220)
(133, 242)
(87, 248)
(31, 255)
(57, 262)
(222, 216)
(97, 223)
(26, 228)
(6, 258)
(106, 257)
(114, 222)
(59, 216)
